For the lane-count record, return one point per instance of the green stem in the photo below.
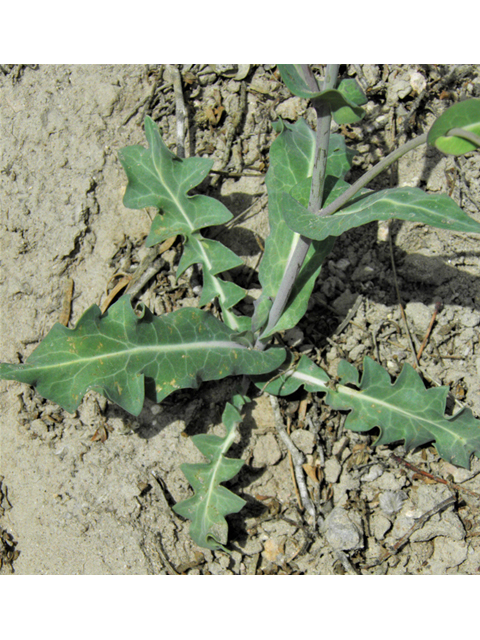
(373, 173)
(324, 118)
(466, 135)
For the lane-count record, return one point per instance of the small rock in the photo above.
(332, 470)
(389, 482)
(363, 273)
(447, 554)
(342, 264)
(470, 318)
(345, 302)
(303, 440)
(293, 337)
(419, 314)
(274, 549)
(278, 528)
(263, 85)
(374, 472)
(340, 445)
(343, 529)
(39, 428)
(380, 525)
(217, 570)
(371, 73)
(346, 484)
(266, 452)
(290, 109)
(417, 82)
(426, 269)
(400, 89)
(262, 414)
(357, 351)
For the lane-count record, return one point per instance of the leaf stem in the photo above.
(297, 259)
(372, 173)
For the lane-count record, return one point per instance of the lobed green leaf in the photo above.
(211, 502)
(158, 178)
(118, 353)
(406, 410)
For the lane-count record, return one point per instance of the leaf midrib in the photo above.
(163, 349)
(414, 417)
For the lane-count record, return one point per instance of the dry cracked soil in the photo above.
(92, 492)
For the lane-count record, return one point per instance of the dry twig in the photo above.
(438, 307)
(67, 303)
(297, 458)
(180, 110)
(418, 525)
(453, 485)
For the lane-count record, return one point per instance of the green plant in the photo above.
(126, 353)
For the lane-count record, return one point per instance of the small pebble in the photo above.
(374, 472)
(332, 470)
(342, 531)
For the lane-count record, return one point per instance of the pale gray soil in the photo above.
(73, 505)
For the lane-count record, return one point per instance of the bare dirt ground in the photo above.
(73, 502)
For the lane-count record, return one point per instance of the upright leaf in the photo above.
(291, 162)
(158, 178)
(212, 502)
(404, 203)
(118, 353)
(344, 101)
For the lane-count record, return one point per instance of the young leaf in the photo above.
(305, 373)
(212, 502)
(117, 353)
(463, 115)
(157, 178)
(407, 411)
(404, 203)
(291, 162)
(344, 101)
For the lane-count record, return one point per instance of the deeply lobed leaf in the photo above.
(211, 502)
(406, 410)
(117, 353)
(158, 178)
